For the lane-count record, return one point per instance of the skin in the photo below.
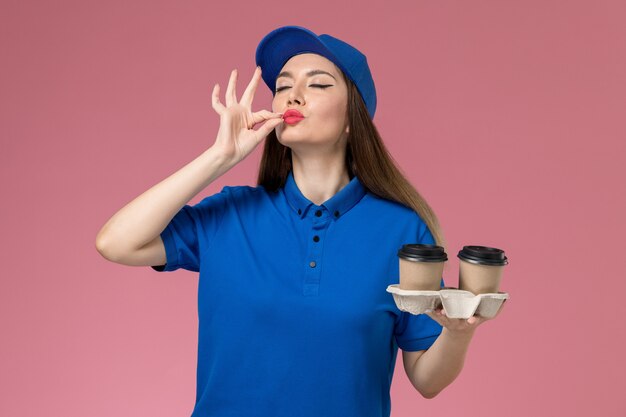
(430, 371)
(318, 145)
(318, 142)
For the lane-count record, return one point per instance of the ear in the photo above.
(347, 129)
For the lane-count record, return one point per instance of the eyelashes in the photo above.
(312, 85)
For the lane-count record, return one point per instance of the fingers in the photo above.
(246, 98)
(231, 94)
(231, 97)
(266, 128)
(265, 115)
(439, 315)
(215, 100)
(248, 94)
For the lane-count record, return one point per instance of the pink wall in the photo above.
(516, 138)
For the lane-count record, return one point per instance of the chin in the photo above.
(290, 137)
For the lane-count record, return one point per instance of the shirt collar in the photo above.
(337, 205)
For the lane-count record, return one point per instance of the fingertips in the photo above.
(270, 113)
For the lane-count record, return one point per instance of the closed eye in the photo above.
(312, 85)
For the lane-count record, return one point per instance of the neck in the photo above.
(319, 177)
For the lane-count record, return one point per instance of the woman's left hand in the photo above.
(459, 325)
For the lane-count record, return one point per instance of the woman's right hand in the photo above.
(236, 137)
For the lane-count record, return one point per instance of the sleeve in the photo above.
(183, 234)
(418, 331)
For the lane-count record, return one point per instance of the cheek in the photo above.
(333, 112)
(328, 108)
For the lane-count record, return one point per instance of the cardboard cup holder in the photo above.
(456, 303)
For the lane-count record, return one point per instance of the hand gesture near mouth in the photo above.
(236, 137)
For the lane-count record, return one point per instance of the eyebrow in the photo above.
(309, 74)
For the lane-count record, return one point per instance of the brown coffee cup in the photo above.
(480, 269)
(421, 266)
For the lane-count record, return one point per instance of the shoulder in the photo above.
(397, 216)
(243, 191)
(242, 195)
(392, 209)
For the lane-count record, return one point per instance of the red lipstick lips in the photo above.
(292, 116)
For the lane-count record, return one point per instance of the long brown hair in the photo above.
(366, 157)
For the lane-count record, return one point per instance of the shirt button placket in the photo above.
(315, 241)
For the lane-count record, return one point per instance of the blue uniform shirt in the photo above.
(294, 316)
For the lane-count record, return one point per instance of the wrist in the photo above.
(459, 335)
(222, 158)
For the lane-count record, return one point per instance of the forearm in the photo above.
(141, 220)
(441, 363)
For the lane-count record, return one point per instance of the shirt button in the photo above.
(336, 213)
(316, 238)
(299, 211)
(312, 264)
(318, 213)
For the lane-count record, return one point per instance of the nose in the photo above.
(294, 96)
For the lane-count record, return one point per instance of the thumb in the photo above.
(267, 127)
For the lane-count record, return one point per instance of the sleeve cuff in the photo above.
(170, 252)
(418, 344)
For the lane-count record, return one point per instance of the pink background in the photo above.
(515, 135)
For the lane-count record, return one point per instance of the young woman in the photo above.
(294, 319)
